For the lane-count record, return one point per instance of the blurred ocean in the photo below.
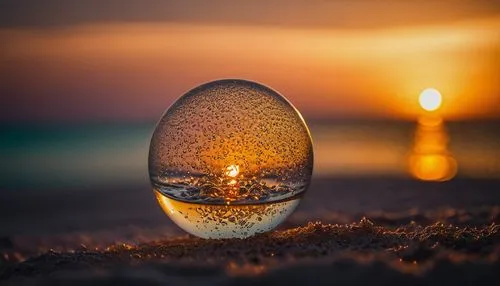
(70, 184)
(44, 157)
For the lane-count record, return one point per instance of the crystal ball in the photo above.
(229, 159)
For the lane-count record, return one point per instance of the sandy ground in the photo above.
(346, 254)
(414, 233)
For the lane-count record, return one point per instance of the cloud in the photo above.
(135, 70)
(288, 13)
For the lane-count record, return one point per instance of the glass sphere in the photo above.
(230, 158)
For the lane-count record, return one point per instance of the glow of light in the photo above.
(430, 99)
(433, 167)
(430, 159)
(232, 171)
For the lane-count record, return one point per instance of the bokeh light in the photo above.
(430, 159)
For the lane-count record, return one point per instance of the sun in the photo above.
(430, 99)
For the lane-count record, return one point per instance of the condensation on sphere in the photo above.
(230, 158)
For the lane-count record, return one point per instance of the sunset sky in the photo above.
(129, 60)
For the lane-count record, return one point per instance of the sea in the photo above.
(90, 180)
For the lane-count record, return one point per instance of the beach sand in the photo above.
(380, 231)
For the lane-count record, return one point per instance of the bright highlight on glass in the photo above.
(430, 99)
(230, 158)
(233, 171)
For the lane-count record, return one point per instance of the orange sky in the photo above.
(136, 69)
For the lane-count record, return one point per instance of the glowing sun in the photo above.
(430, 99)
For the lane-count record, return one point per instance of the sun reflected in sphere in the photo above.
(430, 99)
(230, 158)
(233, 171)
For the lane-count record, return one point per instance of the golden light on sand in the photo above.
(430, 99)
(232, 171)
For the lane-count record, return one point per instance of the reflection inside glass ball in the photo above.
(230, 158)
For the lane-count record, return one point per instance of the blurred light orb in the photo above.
(230, 158)
(433, 167)
(430, 99)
